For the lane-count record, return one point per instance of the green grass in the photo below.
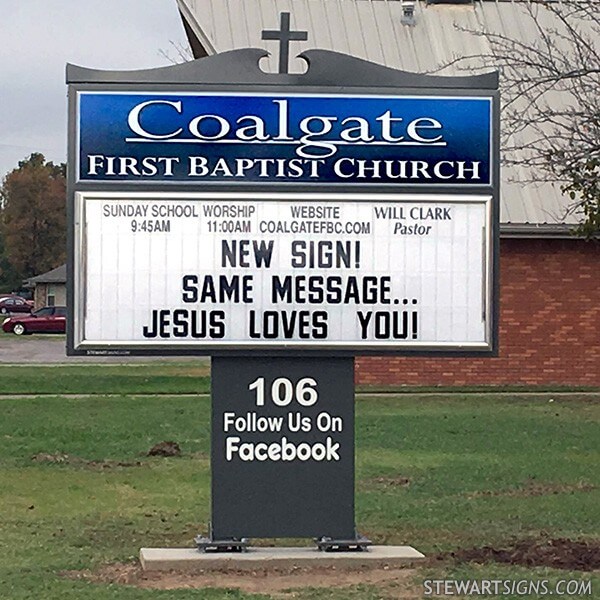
(148, 378)
(452, 449)
(467, 460)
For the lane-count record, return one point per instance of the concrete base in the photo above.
(189, 560)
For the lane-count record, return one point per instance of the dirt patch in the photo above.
(387, 482)
(55, 459)
(555, 553)
(165, 449)
(279, 583)
(112, 464)
(69, 459)
(536, 488)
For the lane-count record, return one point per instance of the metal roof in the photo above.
(374, 30)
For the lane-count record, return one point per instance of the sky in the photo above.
(39, 37)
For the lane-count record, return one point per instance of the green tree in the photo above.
(33, 216)
(9, 279)
(584, 189)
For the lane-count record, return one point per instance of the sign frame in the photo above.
(238, 71)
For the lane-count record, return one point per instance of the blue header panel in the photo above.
(284, 138)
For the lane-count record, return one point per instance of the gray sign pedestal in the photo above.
(282, 448)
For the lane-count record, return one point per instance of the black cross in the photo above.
(285, 36)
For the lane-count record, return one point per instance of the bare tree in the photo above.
(551, 97)
(177, 54)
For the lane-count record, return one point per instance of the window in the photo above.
(55, 294)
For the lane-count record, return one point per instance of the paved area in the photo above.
(190, 560)
(50, 349)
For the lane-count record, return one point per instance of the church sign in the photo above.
(282, 224)
(278, 214)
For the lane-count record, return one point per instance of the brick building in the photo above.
(550, 291)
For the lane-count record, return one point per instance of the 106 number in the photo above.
(283, 391)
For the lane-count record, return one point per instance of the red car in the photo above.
(14, 304)
(50, 319)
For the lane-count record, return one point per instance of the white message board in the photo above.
(198, 272)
